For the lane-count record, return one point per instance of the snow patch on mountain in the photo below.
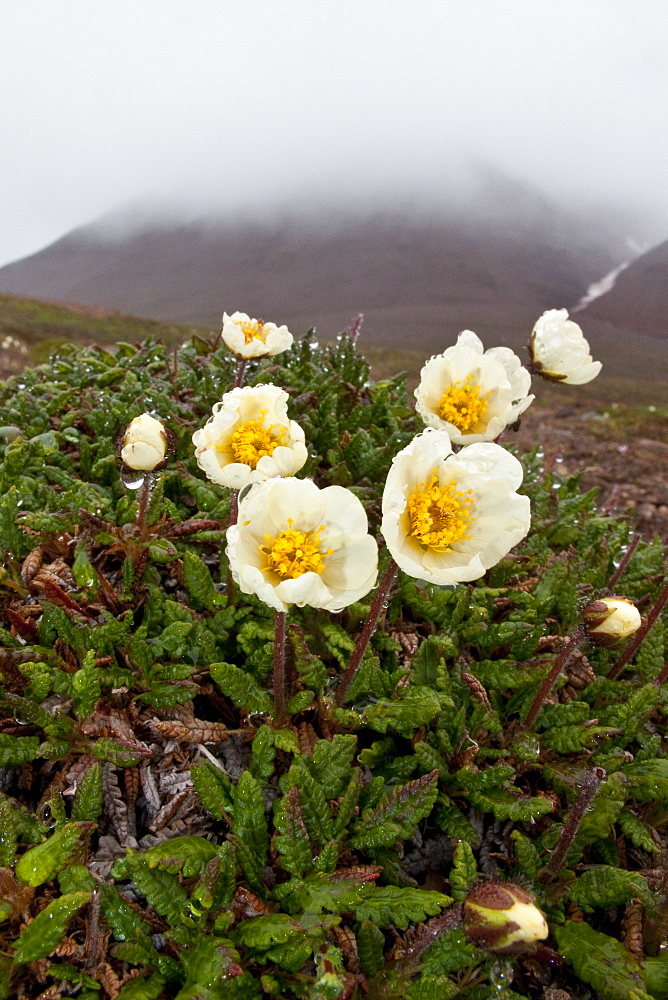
(600, 287)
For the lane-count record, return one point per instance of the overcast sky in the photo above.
(238, 102)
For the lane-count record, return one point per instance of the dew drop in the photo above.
(132, 479)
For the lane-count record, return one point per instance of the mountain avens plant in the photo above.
(243, 753)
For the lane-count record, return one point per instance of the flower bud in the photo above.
(611, 620)
(502, 918)
(144, 443)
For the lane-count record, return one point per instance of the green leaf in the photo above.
(400, 810)
(506, 806)
(527, 854)
(464, 871)
(161, 889)
(331, 763)
(314, 806)
(18, 749)
(599, 960)
(453, 822)
(250, 821)
(606, 807)
(633, 828)
(214, 789)
(450, 952)
(125, 923)
(82, 569)
(140, 988)
(572, 739)
(241, 688)
(417, 708)
(45, 932)
(199, 583)
(605, 886)
(115, 751)
(370, 947)
(648, 779)
(212, 972)
(189, 855)
(292, 841)
(391, 906)
(427, 987)
(76, 878)
(41, 863)
(348, 803)
(87, 804)
(261, 933)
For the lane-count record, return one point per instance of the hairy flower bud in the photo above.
(144, 443)
(611, 620)
(502, 918)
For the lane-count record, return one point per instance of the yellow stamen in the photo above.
(293, 553)
(439, 515)
(463, 406)
(252, 441)
(254, 330)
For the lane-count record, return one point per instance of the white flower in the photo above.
(473, 394)
(449, 517)
(296, 544)
(251, 338)
(250, 438)
(559, 351)
(144, 443)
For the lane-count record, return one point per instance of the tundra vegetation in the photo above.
(205, 797)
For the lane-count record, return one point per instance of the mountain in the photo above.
(638, 299)
(492, 260)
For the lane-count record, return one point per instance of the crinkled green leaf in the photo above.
(43, 934)
(241, 688)
(599, 960)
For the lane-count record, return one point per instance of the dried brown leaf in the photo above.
(31, 564)
(192, 731)
(114, 807)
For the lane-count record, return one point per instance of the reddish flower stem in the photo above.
(234, 513)
(355, 327)
(370, 626)
(570, 828)
(639, 637)
(240, 372)
(280, 698)
(143, 501)
(544, 690)
(626, 558)
(661, 676)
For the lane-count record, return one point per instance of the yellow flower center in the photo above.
(439, 515)
(462, 405)
(252, 441)
(293, 553)
(254, 330)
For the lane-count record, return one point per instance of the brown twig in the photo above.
(370, 626)
(234, 513)
(546, 687)
(639, 638)
(570, 828)
(623, 563)
(355, 327)
(280, 698)
(143, 501)
(240, 372)
(661, 676)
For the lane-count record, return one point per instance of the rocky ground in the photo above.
(625, 456)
